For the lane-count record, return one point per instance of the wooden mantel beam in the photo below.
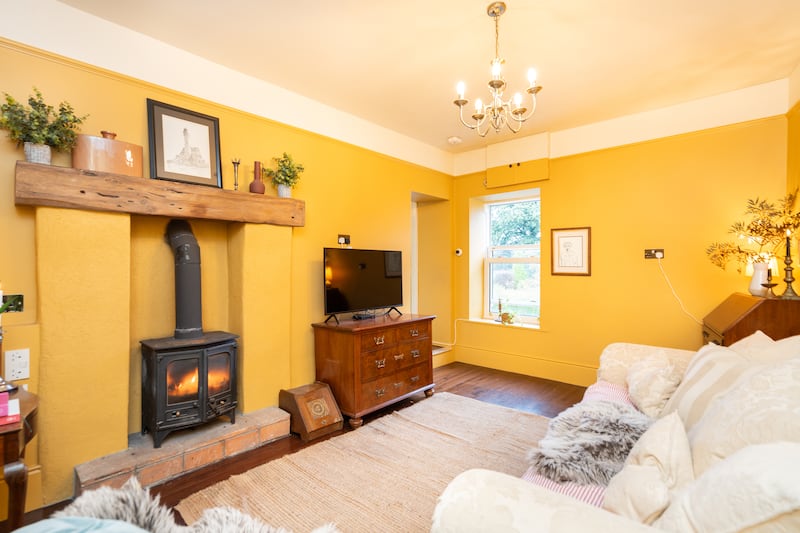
(72, 188)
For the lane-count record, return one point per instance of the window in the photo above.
(513, 262)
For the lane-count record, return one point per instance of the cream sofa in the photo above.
(722, 453)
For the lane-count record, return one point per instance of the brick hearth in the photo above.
(182, 451)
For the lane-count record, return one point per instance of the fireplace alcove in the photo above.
(104, 291)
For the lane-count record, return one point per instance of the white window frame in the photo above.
(535, 259)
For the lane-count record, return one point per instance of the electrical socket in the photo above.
(343, 239)
(654, 253)
(18, 364)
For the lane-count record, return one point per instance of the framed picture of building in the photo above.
(184, 145)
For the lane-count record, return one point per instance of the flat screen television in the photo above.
(362, 280)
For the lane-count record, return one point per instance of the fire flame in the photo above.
(218, 381)
(181, 386)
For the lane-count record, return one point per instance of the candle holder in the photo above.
(769, 286)
(236, 173)
(789, 293)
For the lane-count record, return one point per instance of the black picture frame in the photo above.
(184, 145)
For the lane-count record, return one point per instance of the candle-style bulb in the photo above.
(496, 67)
(460, 89)
(517, 100)
(532, 76)
(478, 105)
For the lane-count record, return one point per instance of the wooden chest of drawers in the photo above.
(372, 363)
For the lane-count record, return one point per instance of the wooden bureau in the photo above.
(375, 362)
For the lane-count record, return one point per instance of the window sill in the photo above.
(519, 325)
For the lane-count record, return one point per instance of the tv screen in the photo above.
(359, 280)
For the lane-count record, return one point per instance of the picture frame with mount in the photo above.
(571, 251)
(184, 145)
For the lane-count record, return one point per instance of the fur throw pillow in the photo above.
(133, 504)
(589, 442)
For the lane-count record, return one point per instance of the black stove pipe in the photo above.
(188, 301)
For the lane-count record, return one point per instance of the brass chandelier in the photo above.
(498, 112)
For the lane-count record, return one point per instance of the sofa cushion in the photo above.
(588, 442)
(752, 344)
(711, 372)
(607, 391)
(659, 464)
(764, 407)
(755, 489)
(652, 380)
(617, 358)
(591, 494)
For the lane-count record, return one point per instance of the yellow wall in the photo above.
(679, 193)
(793, 150)
(95, 284)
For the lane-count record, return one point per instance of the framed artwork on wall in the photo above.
(571, 251)
(184, 145)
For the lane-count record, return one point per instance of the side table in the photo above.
(13, 438)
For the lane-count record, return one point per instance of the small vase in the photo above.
(37, 153)
(257, 185)
(759, 276)
(284, 191)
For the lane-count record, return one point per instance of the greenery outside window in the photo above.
(513, 259)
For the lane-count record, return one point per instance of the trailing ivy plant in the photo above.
(40, 123)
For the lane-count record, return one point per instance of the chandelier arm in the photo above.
(475, 126)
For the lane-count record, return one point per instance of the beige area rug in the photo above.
(384, 477)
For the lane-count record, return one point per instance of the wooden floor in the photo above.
(525, 393)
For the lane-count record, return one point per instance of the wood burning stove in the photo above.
(190, 378)
(187, 382)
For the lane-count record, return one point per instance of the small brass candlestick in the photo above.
(769, 286)
(236, 173)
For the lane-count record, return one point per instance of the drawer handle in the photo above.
(379, 340)
(399, 356)
(415, 353)
(380, 363)
(414, 379)
(398, 385)
(414, 332)
(380, 392)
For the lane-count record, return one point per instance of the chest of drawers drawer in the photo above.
(382, 362)
(394, 386)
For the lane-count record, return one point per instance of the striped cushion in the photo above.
(591, 494)
(607, 391)
(711, 372)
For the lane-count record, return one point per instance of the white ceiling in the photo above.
(396, 63)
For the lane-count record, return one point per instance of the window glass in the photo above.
(513, 265)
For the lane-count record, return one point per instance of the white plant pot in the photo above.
(37, 153)
(284, 191)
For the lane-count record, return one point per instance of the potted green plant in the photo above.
(764, 236)
(40, 127)
(285, 175)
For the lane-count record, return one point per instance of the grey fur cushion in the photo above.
(589, 442)
(133, 504)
